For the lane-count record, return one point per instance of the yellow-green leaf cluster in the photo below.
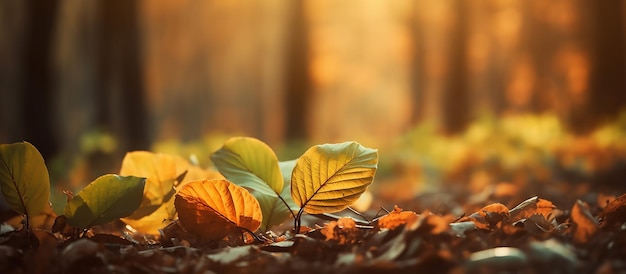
(250, 163)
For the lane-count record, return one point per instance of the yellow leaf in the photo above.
(211, 209)
(162, 172)
(159, 171)
(328, 178)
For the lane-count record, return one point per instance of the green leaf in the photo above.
(328, 178)
(24, 179)
(274, 210)
(286, 168)
(250, 163)
(107, 198)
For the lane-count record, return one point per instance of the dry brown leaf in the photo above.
(603, 200)
(531, 207)
(439, 224)
(396, 218)
(343, 231)
(211, 209)
(585, 225)
(614, 212)
(488, 216)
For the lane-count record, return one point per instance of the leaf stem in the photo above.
(358, 213)
(256, 237)
(298, 220)
(287, 205)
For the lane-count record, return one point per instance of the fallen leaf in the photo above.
(396, 218)
(81, 256)
(459, 228)
(585, 225)
(614, 212)
(107, 198)
(163, 174)
(537, 224)
(530, 207)
(24, 179)
(488, 216)
(342, 231)
(211, 209)
(496, 259)
(328, 178)
(438, 224)
(230, 255)
(250, 163)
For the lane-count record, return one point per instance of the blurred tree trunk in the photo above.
(456, 101)
(435, 33)
(76, 47)
(13, 21)
(608, 70)
(297, 88)
(98, 66)
(37, 90)
(120, 97)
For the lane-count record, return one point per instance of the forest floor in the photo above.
(526, 211)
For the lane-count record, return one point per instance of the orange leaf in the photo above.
(531, 207)
(211, 209)
(396, 218)
(489, 215)
(343, 231)
(438, 224)
(585, 225)
(614, 212)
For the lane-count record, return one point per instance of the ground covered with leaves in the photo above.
(495, 200)
(534, 236)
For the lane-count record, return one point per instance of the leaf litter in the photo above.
(453, 232)
(526, 237)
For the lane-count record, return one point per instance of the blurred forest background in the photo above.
(106, 77)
